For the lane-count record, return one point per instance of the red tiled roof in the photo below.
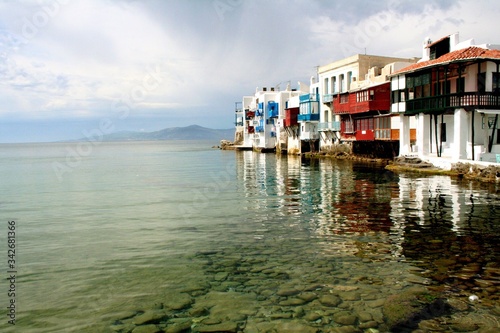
(469, 53)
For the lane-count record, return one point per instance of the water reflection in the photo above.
(451, 231)
(447, 228)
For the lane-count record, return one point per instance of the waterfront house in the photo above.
(355, 94)
(263, 114)
(308, 118)
(291, 126)
(454, 94)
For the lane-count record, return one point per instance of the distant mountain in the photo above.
(193, 132)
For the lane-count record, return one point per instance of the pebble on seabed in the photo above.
(473, 298)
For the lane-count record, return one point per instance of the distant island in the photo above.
(192, 132)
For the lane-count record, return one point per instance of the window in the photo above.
(419, 86)
(326, 86)
(383, 122)
(349, 80)
(383, 127)
(362, 96)
(333, 81)
(427, 90)
(396, 97)
(496, 83)
(445, 87)
(347, 126)
(364, 124)
(460, 85)
(344, 98)
(481, 82)
(341, 83)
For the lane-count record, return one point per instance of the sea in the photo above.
(176, 236)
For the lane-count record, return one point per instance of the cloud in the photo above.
(95, 58)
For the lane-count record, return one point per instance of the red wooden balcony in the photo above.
(370, 99)
(291, 116)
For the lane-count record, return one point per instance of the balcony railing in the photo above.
(259, 129)
(469, 99)
(332, 126)
(309, 98)
(273, 113)
(272, 109)
(308, 117)
(328, 98)
(383, 134)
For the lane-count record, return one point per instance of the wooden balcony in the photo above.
(467, 100)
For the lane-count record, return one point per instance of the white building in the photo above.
(350, 75)
(454, 94)
(308, 118)
(264, 115)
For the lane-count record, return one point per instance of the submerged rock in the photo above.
(177, 301)
(149, 317)
(406, 310)
(222, 327)
(330, 300)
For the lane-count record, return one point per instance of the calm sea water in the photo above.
(115, 230)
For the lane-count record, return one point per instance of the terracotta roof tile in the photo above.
(469, 53)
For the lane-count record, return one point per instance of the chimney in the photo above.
(426, 52)
(454, 40)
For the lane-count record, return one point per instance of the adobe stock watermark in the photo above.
(364, 34)
(221, 7)
(30, 27)
(94, 137)
(41, 18)
(202, 197)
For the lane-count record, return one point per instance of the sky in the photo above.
(73, 67)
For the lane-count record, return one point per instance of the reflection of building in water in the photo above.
(436, 223)
(450, 231)
(353, 201)
(270, 181)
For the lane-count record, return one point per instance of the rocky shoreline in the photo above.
(260, 292)
(488, 174)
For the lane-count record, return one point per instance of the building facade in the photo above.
(260, 119)
(454, 94)
(355, 96)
